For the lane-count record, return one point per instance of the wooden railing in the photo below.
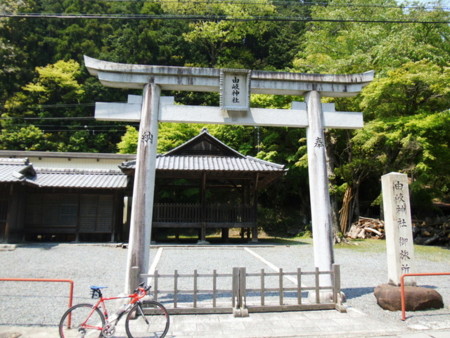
(196, 213)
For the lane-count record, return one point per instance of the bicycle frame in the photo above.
(135, 297)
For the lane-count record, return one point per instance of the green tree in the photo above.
(350, 47)
(53, 101)
(25, 138)
(415, 87)
(409, 132)
(54, 84)
(128, 143)
(223, 40)
(10, 55)
(172, 135)
(411, 63)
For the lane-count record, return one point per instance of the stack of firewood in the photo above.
(429, 232)
(366, 228)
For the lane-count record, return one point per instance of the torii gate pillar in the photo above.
(235, 87)
(318, 188)
(144, 182)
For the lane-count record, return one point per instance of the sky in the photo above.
(445, 3)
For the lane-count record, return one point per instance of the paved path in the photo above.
(309, 324)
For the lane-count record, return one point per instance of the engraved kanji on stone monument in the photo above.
(398, 227)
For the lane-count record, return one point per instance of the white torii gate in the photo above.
(235, 87)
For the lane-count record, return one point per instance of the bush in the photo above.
(283, 222)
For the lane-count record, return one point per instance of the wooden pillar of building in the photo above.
(202, 238)
(14, 230)
(225, 235)
(255, 207)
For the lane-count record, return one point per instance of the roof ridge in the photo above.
(14, 161)
(281, 166)
(76, 171)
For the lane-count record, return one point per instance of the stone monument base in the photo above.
(417, 298)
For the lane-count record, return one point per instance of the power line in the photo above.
(207, 17)
(54, 105)
(89, 131)
(48, 118)
(102, 131)
(63, 105)
(68, 126)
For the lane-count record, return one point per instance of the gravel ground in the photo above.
(97, 264)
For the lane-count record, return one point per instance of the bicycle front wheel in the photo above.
(149, 319)
(81, 320)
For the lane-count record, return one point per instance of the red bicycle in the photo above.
(144, 318)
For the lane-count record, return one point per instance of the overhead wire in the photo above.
(47, 118)
(292, 3)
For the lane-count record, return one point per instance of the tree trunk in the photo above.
(330, 159)
(345, 212)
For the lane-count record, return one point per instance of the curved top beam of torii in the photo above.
(120, 75)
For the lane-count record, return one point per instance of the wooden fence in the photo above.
(196, 213)
(241, 292)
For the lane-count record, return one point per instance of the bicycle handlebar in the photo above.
(97, 293)
(142, 286)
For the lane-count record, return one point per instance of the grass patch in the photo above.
(432, 253)
(285, 240)
(366, 245)
(427, 252)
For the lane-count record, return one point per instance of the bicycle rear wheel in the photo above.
(84, 322)
(149, 319)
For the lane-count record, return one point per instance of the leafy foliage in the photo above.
(25, 138)
(129, 141)
(55, 95)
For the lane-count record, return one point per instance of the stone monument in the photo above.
(400, 250)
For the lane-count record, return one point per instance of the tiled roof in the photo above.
(20, 170)
(215, 163)
(204, 152)
(210, 163)
(76, 178)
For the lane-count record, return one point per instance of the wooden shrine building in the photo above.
(202, 185)
(53, 196)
